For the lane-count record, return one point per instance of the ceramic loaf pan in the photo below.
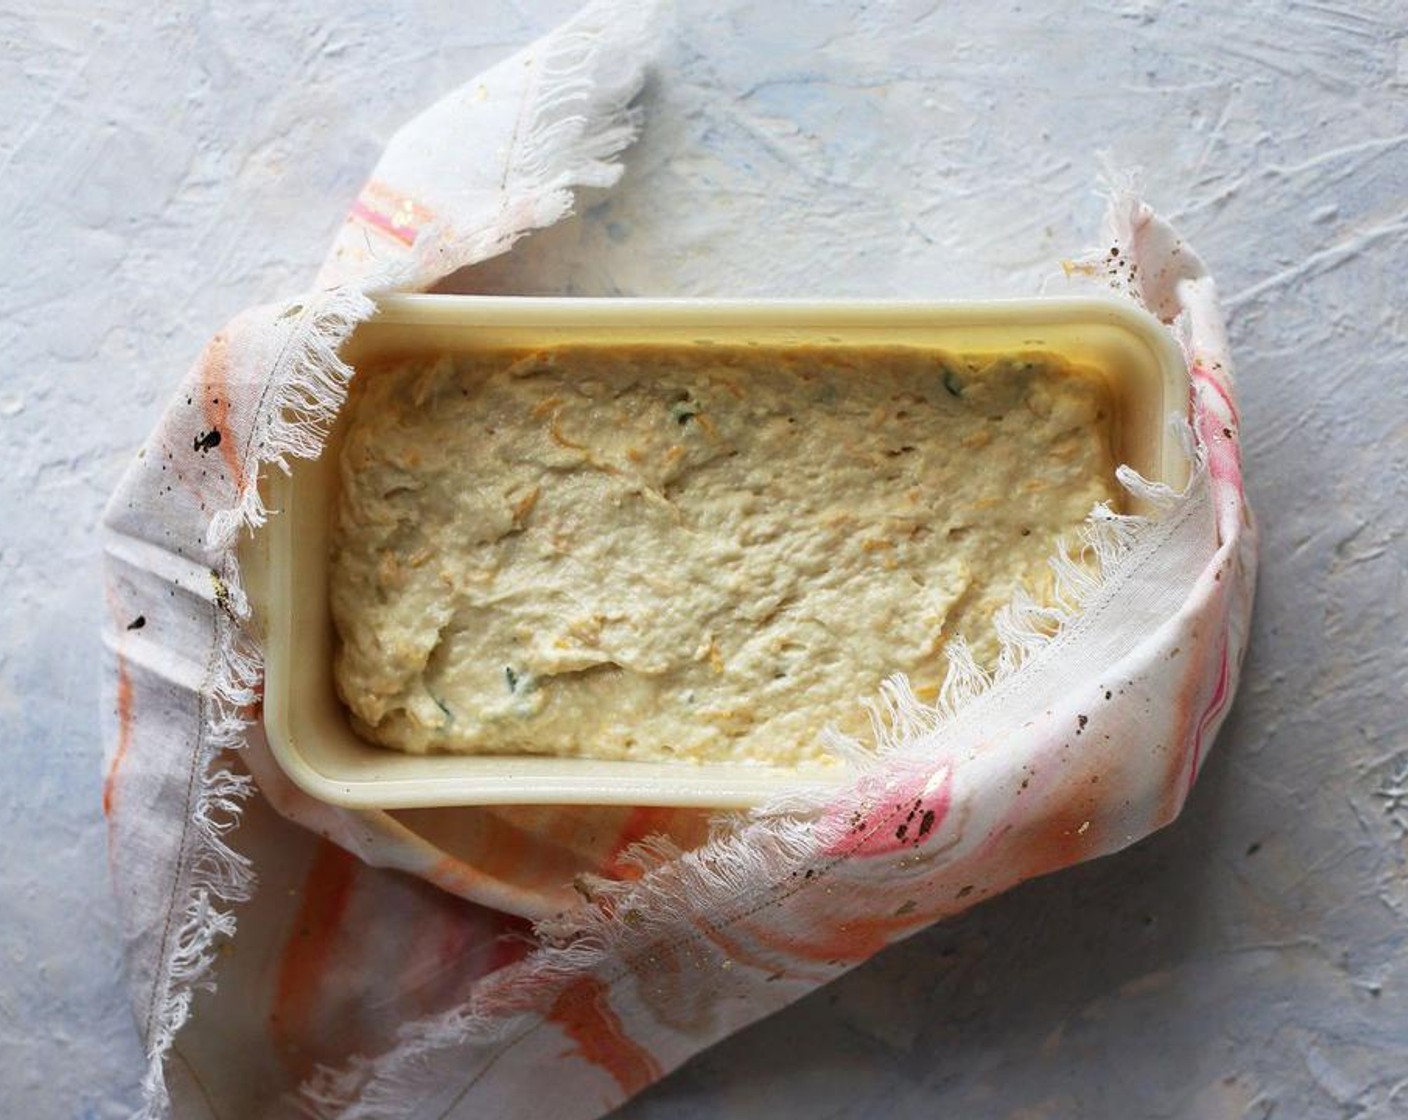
(286, 563)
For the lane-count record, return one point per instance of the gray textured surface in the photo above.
(160, 171)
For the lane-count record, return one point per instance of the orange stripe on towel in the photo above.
(124, 735)
(586, 1017)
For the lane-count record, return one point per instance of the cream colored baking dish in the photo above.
(307, 727)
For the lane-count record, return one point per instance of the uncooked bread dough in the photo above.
(700, 553)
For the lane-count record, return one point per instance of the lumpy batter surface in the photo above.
(695, 553)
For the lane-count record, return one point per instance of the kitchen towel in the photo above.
(522, 962)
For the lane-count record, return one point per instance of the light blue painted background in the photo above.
(162, 166)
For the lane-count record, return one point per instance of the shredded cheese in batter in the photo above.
(696, 553)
